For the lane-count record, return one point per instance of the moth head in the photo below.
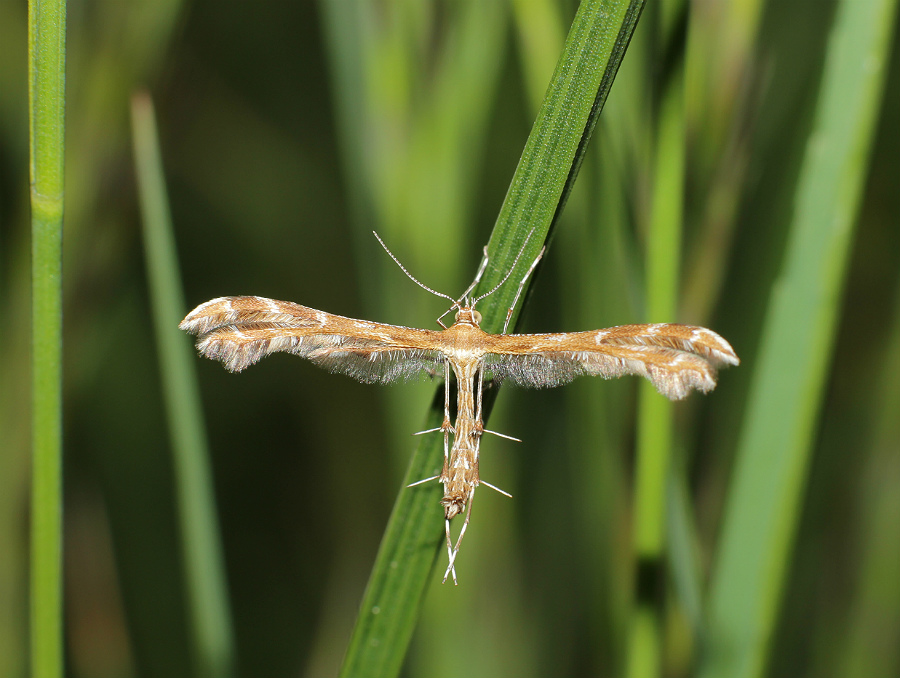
(468, 316)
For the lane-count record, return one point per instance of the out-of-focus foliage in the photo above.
(288, 132)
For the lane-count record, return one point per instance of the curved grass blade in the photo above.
(774, 449)
(546, 172)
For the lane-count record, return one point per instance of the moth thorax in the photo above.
(468, 316)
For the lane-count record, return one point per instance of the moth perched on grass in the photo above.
(238, 331)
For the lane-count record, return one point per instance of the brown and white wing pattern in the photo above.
(238, 331)
(675, 358)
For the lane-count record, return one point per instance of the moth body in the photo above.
(239, 331)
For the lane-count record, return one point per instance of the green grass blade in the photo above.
(655, 415)
(47, 105)
(868, 650)
(202, 550)
(545, 174)
(773, 453)
(591, 56)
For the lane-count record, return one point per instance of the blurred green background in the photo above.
(288, 132)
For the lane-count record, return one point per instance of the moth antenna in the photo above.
(410, 275)
(509, 271)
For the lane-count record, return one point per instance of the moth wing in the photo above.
(239, 331)
(675, 358)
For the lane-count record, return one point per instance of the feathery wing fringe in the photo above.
(239, 331)
(675, 358)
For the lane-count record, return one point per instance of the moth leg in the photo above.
(450, 556)
(479, 424)
(521, 286)
(424, 480)
(441, 316)
(462, 533)
(509, 272)
(496, 489)
(481, 268)
(528, 273)
(465, 295)
(431, 430)
(445, 427)
(502, 435)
